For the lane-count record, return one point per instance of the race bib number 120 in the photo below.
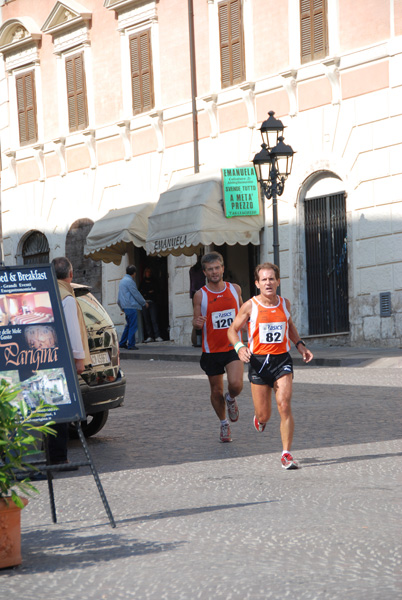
(223, 319)
(272, 333)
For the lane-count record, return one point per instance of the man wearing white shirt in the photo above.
(79, 344)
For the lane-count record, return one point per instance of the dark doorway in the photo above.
(327, 266)
(240, 262)
(158, 266)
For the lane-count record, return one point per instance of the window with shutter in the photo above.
(76, 92)
(26, 105)
(231, 42)
(313, 30)
(141, 72)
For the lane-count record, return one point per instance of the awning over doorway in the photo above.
(191, 213)
(110, 236)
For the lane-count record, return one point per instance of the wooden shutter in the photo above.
(231, 42)
(26, 106)
(76, 92)
(313, 29)
(141, 72)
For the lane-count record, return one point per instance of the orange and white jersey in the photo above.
(220, 308)
(268, 328)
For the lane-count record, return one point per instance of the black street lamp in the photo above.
(273, 165)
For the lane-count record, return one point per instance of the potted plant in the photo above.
(19, 440)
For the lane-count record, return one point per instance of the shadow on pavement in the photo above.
(171, 427)
(50, 550)
(188, 512)
(316, 462)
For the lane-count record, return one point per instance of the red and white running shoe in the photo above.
(257, 425)
(288, 462)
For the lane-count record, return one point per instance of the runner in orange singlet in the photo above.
(270, 331)
(215, 307)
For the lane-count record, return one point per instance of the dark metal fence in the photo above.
(327, 267)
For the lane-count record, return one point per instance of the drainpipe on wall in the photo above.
(1, 240)
(193, 85)
(1, 225)
(2, 2)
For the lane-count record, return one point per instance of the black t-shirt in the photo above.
(149, 290)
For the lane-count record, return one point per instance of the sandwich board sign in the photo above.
(36, 357)
(35, 352)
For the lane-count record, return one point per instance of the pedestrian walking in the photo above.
(130, 300)
(215, 306)
(78, 336)
(270, 331)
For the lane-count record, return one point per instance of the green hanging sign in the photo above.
(240, 192)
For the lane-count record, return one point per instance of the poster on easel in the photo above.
(35, 352)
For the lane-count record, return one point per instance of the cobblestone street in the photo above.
(197, 519)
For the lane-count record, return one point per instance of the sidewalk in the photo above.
(324, 356)
(197, 519)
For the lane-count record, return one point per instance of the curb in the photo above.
(138, 355)
(195, 358)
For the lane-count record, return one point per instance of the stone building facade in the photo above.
(98, 105)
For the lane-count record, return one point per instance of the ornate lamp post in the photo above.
(273, 165)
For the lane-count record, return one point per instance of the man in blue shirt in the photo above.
(130, 300)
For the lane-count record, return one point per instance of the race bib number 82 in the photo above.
(223, 319)
(272, 333)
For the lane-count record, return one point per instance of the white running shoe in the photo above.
(225, 435)
(233, 409)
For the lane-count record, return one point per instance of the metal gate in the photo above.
(327, 267)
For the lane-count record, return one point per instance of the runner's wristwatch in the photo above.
(300, 342)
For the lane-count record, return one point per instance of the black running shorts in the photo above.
(214, 363)
(266, 369)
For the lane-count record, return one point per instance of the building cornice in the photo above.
(66, 16)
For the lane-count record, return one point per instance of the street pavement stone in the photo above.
(197, 519)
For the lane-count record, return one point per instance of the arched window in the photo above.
(35, 249)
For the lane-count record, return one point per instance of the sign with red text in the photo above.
(35, 352)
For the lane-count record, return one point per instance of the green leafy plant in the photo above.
(19, 440)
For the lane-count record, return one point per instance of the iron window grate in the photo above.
(385, 304)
